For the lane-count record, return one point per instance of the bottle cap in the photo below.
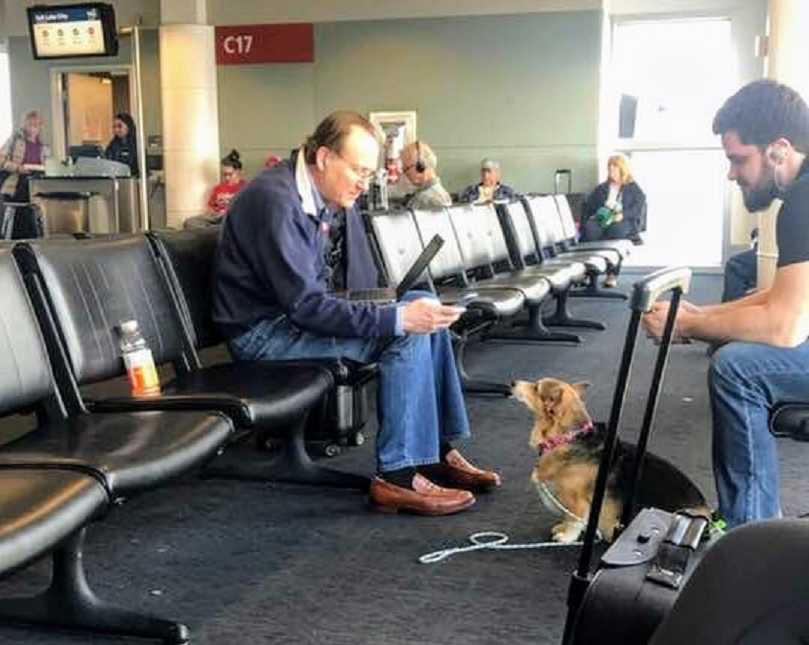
(129, 326)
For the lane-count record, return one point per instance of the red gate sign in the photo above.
(252, 44)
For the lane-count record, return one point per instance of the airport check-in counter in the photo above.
(94, 196)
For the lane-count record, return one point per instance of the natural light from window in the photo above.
(673, 75)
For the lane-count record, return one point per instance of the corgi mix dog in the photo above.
(569, 447)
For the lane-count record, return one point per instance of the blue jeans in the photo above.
(592, 231)
(419, 402)
(740, 275)
(745, 381)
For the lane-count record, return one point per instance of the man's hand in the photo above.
(24, 169)
(655, 321)
(425, 315)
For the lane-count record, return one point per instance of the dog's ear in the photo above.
(581, 388)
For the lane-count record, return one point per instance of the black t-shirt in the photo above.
(792, 226)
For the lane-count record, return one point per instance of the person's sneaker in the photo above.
(611, 281)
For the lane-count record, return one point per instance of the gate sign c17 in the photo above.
(256, 44)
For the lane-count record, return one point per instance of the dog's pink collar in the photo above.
(564, 439)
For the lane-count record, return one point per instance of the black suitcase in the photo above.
(640, 575)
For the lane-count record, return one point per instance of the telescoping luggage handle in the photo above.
(645, 293)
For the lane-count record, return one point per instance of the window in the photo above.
(668, 78)
(671, 76)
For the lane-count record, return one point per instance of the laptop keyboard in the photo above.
(372, 294)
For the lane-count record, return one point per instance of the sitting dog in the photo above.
(570, 447)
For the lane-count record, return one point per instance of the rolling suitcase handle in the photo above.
(644, 294)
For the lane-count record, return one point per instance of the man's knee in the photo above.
(408, 347)
(729, 360)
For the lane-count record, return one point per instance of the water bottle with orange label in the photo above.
(138, 359)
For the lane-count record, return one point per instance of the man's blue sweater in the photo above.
(270, 261)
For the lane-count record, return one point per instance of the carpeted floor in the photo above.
(262, 563)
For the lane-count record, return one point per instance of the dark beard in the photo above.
(760, 198)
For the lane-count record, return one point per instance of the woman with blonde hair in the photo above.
(615, 210)
(21, 155)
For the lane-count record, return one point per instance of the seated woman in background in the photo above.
(615, 210)
(222, 194)
(124, 144)
(21, 155)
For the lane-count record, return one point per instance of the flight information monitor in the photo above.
(75, 30)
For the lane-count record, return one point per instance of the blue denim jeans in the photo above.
(740, 275)
(745, 381)
(419, 403)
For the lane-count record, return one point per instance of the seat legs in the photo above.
(292, 464)
(536, 331)
(69, 603)
(592, 290)
(472, 385)
(562, 318)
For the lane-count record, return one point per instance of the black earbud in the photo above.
(419, 165)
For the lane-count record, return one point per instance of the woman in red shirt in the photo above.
(222, 194)
(232, 182)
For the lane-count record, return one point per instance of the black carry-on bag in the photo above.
(641, 573)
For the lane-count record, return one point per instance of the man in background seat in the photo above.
(489, 188)
(277, 262)
(419, 165)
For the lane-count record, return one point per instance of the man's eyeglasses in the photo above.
(363, 174)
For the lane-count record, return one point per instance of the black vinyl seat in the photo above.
(401, 235)
(526, 253)
(551, 236)
(88, 288)
(749, 589)
(791, 420)
(624, 247)
(40, 508)
(187, 260)
(127, 452)
(485, 254)
(70, 468)
(399, 238)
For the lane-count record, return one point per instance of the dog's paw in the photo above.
(567, 532)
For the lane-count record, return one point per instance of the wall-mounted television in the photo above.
(73, 30)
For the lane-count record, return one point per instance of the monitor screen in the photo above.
(69, 31)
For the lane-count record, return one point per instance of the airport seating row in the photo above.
(83, 457)
(513, 256)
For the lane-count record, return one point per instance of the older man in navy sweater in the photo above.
(278, 253)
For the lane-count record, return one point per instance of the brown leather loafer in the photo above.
(455, 470)
(425, 498)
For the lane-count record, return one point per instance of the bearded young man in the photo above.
(765, 358)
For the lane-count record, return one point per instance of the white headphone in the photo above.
(777, 154)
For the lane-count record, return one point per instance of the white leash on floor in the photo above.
(493, 540)
(497, 541)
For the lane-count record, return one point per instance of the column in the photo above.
(189, 108)
(787, 56)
